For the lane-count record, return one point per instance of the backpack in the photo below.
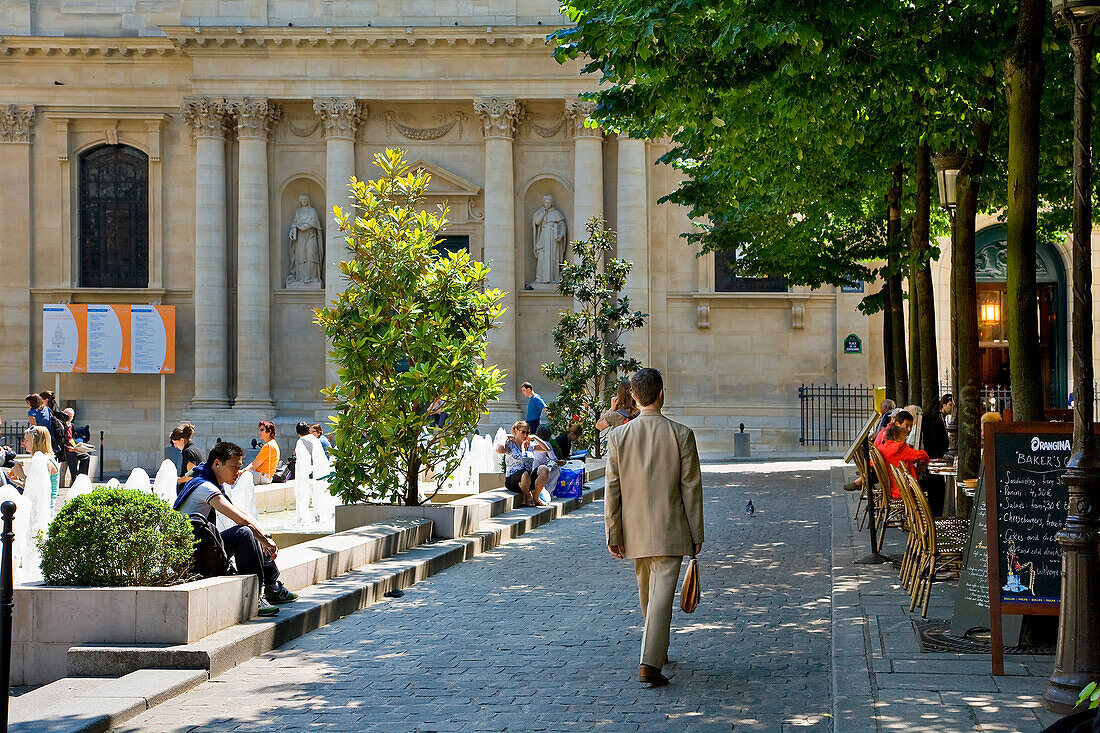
(59, 435)
(210, 557)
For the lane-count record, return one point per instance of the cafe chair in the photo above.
(943, 545)
(914, 548)
(865, 479)
(889, 512)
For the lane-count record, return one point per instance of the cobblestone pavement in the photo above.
(543, 633)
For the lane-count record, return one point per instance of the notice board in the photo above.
(1026, 502)
(109, 339)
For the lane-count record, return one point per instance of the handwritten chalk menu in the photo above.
(1032, 503)
(109, 339)
(1027, 503)
(972, 594)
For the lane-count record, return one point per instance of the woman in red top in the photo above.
(897, 452)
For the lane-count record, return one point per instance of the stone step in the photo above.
(318, 605)
(95, 704)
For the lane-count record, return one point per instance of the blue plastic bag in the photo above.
(570, 483)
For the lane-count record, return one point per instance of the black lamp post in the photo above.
(947, 166)
(1077, 661)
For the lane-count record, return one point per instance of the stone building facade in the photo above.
(159, 152)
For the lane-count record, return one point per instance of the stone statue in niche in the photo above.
(306, 251)
(551, 238)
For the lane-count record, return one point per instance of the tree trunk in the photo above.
(916, 393)
(921, 284)
(962, 266)
(897, 302)
(888, 343)
(412, 482)
(1024, 72)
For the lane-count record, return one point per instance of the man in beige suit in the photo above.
(653, 510)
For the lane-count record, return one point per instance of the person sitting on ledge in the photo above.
(246, 544)
(267, 460)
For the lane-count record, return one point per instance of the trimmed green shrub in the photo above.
(114, 538)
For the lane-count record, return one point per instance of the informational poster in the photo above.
(153, 330)
(64, 332)
(109, 339)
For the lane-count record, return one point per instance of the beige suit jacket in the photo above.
(653, 498)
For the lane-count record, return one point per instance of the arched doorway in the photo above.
(1050, 275)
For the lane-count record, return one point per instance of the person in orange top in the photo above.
(264, 464)
(896, 452)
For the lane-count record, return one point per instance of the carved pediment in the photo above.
(445, 184)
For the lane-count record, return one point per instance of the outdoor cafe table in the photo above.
(956, 499)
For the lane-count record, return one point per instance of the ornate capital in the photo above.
(17, 123)
(255, 117)
(341, 116)
(205, 116)
(577, 111)
(498, 116)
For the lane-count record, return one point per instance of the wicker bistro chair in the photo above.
(889, 512)
(914, 548)
(944, 543)
(865, 478)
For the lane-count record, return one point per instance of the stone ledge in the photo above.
(75, 705)
(318, 605)
(48, 621)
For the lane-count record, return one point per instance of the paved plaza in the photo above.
(543, 634)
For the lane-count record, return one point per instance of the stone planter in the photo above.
(455, 519)
(490, 481)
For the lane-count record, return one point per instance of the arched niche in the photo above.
(532, 200)
(288, 203)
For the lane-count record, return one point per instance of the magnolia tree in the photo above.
(588, 338)
(410, 327)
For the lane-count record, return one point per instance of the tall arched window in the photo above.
(114, 217)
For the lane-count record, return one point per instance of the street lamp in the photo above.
(1077, 661)
(947, 166)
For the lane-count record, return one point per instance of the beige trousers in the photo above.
(657, 578)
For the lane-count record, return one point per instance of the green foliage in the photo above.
(411, 326)
(590, 355)
(1091, 693)
(114, 537)
(787, 117)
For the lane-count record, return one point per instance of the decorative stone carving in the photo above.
(449, 119)
(205, 116)
(548, 131)
(498, 116)
(702, 316)
(17, 124)
(340, 116)
(551, 237)
(255, 117)
(306, 252)
(578, 111)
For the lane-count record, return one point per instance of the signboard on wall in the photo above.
(109, 339)
(853, 344)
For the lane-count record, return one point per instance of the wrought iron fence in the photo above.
(998, 397)
(11, 433)
(833, 414)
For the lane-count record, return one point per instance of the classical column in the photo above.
(498, 116)
(254, 119)
(207, 120)
(341, 118)
(16, 366)
(587, 166)
(632, 215)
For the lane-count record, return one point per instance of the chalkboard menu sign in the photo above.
(972, 595)
(1026, 506)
